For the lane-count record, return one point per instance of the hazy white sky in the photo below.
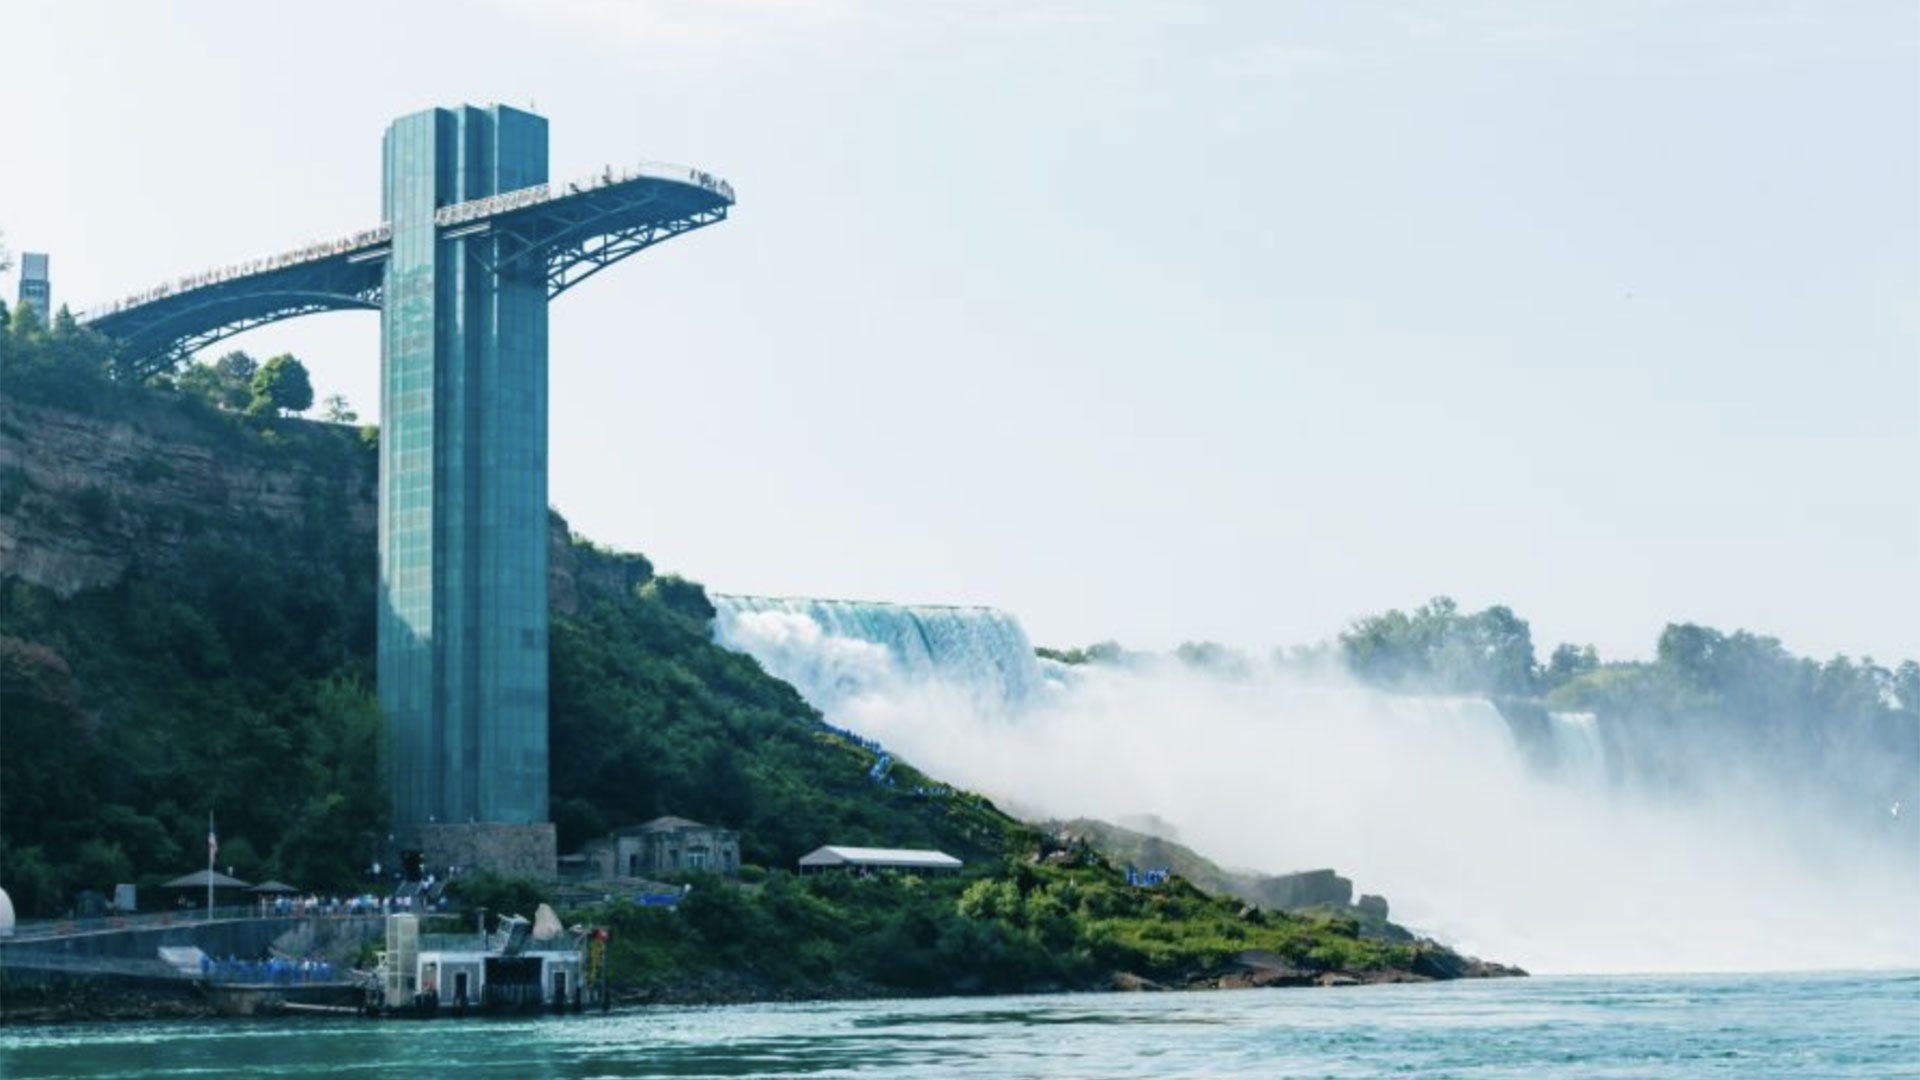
(1146, 320)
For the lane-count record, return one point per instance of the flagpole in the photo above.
(212, 847)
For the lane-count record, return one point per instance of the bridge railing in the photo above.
(282, 972)
(40, 929)
(474, 209)
(471, 210)
(28, 929)
(320, 249)
(20, 962)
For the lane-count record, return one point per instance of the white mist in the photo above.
(1427, 801)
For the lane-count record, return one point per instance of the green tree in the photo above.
(337, 410)
(27, 326)
(678, 594)
(226, 383)
(1569, 662)
(1438, 648)
(498, 894)
(57, 362)
(281, 385)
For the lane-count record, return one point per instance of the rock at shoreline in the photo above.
(1254, 968)
(1439, 963)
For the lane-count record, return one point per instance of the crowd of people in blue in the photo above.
(277, 971)
(415, 897)
(1152, 876)
(881, 772)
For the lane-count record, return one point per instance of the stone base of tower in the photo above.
(518, 850)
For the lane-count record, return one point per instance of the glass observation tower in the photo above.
(474, 243)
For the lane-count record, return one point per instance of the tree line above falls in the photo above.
(1847, 728)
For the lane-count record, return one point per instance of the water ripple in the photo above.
(1847, 1027)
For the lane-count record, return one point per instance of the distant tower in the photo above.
(463, 498)
(35, 289)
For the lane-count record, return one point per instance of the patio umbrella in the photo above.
(273, 887)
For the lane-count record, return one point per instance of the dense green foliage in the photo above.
(226, 383)
(1857, 722)
(281, 386)
(234, 680)
(1102, 652)
(1708, 672)
(1009, 926)
(1708, 700)
(650, 717)
(1438, 648)
(55, 362)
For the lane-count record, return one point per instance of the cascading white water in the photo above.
(1519, 852)
(1575, 741)
(834, 649)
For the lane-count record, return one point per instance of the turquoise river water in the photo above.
(1800, 1026)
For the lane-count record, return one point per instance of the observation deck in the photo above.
(575, 228)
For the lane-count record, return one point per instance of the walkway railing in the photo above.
(365, 239)
(471, 210)
(41, 929)
(24, 961)
(280, 971)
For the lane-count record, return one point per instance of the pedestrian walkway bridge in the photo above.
(134, 947)
(576, 229)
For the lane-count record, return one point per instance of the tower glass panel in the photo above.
(463, 492)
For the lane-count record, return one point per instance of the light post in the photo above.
(213, 847)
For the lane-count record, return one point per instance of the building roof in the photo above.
(866, 856)
(668, 823)
(200, 878)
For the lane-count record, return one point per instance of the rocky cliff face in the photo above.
(1282, 892)
(86, 495)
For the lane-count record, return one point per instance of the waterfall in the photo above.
(1500, 830)
(836, 652)
(1577, 752)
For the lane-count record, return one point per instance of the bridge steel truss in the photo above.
(160, 334)
(576, 235)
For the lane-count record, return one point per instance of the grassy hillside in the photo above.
(649, 717)
(1017, 925)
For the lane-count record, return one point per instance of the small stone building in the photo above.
(663, 846)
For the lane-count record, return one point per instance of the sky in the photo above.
(1147, 321)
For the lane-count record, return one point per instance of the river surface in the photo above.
(1800, 1026)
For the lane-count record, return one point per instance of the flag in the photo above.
(213, 842)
